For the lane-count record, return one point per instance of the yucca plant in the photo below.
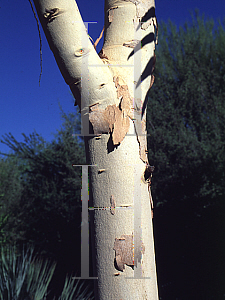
(13, 271)
(39, 276)
(24, 276)
(73, 291)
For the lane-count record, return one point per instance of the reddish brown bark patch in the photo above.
(112, 205)
(125, 252)
(114, 119)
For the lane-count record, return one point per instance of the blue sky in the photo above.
(24, 106)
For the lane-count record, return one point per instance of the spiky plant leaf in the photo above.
(73, 291)
(39, 276)
(13, 270)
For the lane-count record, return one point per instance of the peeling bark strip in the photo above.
(99, 121)
(99, 38)
(102, 55)
(121, 126)
(132, 43)
(123, 93)
(150, 197)
(110, 13)
(125, 252)
(112, 205)
(148, 172)
(140, 128)
(147, 177)
(152, 81)
(143, 7)
(153, 64)
(114, 119)
(51, 14)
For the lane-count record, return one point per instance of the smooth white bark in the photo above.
(111, 90)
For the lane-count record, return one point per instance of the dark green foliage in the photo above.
(23, 276)
(186, 112)
(10, 191)
(186, 123)
(49, 195)
(45, 208)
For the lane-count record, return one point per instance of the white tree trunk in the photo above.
(111, 90)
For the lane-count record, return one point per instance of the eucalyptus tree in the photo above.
(111, 89)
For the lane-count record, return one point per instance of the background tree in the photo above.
(10, 190)
(186, 123)
(41, 197)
